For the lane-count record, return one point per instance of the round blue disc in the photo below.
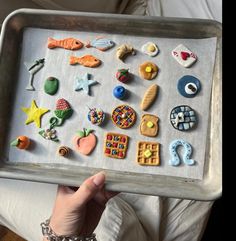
(188, 86)
(119, 92)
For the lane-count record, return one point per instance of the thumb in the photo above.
(89, 189)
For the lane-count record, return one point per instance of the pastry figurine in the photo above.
(21, 142)
(119, 92)
(149, 125)
(148, 70)
(184, 56)
(85, 141)
(123, 75)
(51, 85)
(150, 49)
(101, 43)
(149, 97)
(33, 68)
(123, 50)
(67, 43)
(96, 116)
(86, 60)
(63, 151)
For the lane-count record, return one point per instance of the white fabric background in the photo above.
(23, 205)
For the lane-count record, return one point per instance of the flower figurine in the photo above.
(49, 134)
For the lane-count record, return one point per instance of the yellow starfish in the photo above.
(34, 113)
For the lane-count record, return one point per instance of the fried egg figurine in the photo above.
(150, 49)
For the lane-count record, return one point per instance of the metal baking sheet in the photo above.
(166, 180)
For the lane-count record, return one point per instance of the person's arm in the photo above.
(78, 212)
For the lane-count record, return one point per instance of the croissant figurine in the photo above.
(123, 50)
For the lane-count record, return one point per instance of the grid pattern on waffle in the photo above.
(150, 147)
(123, 116)
(115, 145)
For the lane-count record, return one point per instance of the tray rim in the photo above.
(187, 185)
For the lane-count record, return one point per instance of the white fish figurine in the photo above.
(33, 68)
(101, 43)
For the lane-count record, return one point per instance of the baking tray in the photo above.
(208, 188)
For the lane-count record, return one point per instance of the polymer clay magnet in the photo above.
(21, 142)
(51, 85)
(119, 92)
(123, 50)
(148, 70)
(183, 118)
(67, 43)
(84, 83)
(188, 86)
(96, 116)
(34, 113)
(123, 116)
(115, 145)
(63, 151)
(184, 56)
(86, 60)
(100, 43)
(33, 68)
(175, 159)
(85, 141)
(123, 75)
(148, 153)
(149, 97)
(149, 125)
(150, 49)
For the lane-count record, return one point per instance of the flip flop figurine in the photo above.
(63, 111)
(33, 68)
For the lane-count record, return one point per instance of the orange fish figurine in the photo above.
(86, 60)
(67, 43)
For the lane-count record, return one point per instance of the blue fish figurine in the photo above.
(101, 43)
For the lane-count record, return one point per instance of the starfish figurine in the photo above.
(34, 114)
(84, 83)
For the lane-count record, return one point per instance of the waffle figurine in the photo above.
(148, 153)
(123, 116)
(115, 145)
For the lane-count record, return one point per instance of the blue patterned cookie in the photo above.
(183, 118)
(188, 86)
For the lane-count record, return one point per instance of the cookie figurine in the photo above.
(84, 83)
(150, 49)
(188, 86)
(183, 118)
(184, 56)
(149, 97)
(148, 153)
(123, 75)
(85, 141)
(119, 92)
(148, 70)
(123, 116)
(123, 50)
(149, 125)
(115, 145)
(63, 151)
(51, 85)
(96, 116)
(21, 142)
(67, 43)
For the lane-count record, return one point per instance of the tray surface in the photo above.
(44, 157)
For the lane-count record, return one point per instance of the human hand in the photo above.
(78, 212)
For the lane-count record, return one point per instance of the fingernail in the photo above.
(99, 179)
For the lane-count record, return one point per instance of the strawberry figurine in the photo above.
(85, 141)
(123, 75)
